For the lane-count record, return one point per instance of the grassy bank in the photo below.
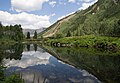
(87, 41)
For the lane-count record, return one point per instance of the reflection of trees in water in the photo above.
(11, 51)
(32, 77)
(35, 47)
(104, 65)
(29, 47)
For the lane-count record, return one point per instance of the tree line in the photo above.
(12, 32)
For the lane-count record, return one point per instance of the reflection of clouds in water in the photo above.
(30, 58)
(59, 73)
(85, 80)
(31, 77)
(39, 67)
(84, 73)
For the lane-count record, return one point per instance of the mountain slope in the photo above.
(102, 18)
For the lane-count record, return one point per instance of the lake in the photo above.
(44, 64)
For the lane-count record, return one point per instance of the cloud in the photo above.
(62, 3)
(87, 4)
(29, 59)
(52, 3)
(73, 1)
(30, 21)
(52, 15)
(27, 5)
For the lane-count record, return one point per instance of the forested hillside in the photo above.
(11, 32)
(101, 19)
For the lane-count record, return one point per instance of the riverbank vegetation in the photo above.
(86, 41)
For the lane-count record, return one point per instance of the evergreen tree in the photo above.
(35, 35)
(41, 36)
(68, 34)
(1, 24)
(77, 33)
(28, 35)
(11, 32)
(1, 30)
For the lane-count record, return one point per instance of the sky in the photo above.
(36, 14)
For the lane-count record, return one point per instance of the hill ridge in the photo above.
(102, 19)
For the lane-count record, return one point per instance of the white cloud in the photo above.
(62, 3)
(27, 5)
(86, 5)
(30, 21)
(52, 15)
(52, 3)
(29, 59)
(73, 1)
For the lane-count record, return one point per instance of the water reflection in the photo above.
(102, 64)
(11, 51)
(35, 47)
(38, 66)
(28, 47)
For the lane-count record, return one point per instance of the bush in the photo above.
(59, 36)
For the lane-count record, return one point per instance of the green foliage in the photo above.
(11, 32)
(1, 74)
(28, 35)
(35, 35)
(101, 19)
(41, 37)
(89, 41)
(1, 24)
(59, 36)
(68, 34)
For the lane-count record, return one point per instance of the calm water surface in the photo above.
(36, 64)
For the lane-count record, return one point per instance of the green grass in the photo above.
(88, 40)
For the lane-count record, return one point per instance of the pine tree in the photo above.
(1, 24)
(28, 35)
(35, 35)
(68, 34)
